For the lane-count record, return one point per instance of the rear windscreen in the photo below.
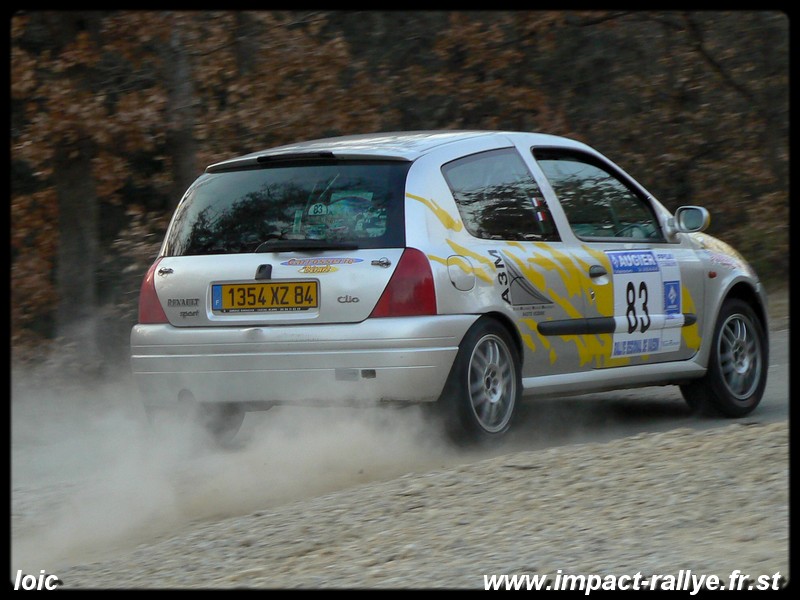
(236, 211)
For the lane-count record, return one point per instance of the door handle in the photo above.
(597, 271)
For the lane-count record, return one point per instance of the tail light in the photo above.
(150, 310)
(410, 291)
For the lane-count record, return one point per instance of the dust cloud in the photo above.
(92, 477)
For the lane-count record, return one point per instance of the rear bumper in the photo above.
(403, 359)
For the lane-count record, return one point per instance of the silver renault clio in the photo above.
(463, 269)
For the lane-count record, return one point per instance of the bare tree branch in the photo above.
(697, 43)
(610, 16)
(310, 18)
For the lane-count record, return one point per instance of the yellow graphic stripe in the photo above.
(544, 341)
(574, 274)
(691, 334)
(447, 220)
(601, 345)
(540, 282)
(528, 339)
(463, 264)
(604, 294)
(479, 271)
(563, 265)
(467, 267)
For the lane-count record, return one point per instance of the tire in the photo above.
(220, 421)
(737, 369)
(484, 386)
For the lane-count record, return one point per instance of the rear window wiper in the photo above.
(273, 245)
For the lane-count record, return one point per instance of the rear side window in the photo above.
(498, 198)
(235, 211)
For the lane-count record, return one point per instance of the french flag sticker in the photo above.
(540, 209)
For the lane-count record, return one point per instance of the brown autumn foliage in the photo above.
(693, 104)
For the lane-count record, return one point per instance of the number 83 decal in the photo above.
(642, 322)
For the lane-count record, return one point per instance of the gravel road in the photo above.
(711, 500)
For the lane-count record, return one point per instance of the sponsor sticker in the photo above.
(321, 261)
(672, 297)
(320, 265)
(647, 295)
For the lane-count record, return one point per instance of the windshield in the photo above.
(310, 205)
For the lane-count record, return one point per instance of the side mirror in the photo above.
(688, 219)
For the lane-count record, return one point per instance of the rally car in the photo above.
(460, 269)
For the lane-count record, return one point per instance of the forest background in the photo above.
(113, 114)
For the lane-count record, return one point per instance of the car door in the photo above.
(511, 239)
(643, 292)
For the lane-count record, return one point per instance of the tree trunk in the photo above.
(181, 144)
(76, 315)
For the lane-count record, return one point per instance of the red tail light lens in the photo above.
(410, 291)
(150, 310)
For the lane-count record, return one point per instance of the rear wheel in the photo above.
(737, 368)
(484, 386)
(221, 421)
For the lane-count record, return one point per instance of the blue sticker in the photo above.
(672, 297)
(216, 297)
(642, 346)
(634, 261)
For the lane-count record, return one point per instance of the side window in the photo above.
(598, 204)
(498, 198)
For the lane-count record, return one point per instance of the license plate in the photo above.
(265, 297)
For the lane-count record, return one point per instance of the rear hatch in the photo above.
(274, 288)
(294, 241)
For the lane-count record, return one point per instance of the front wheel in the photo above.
(737, 370)
(484, 385)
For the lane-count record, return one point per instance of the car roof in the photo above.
(389, 145)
